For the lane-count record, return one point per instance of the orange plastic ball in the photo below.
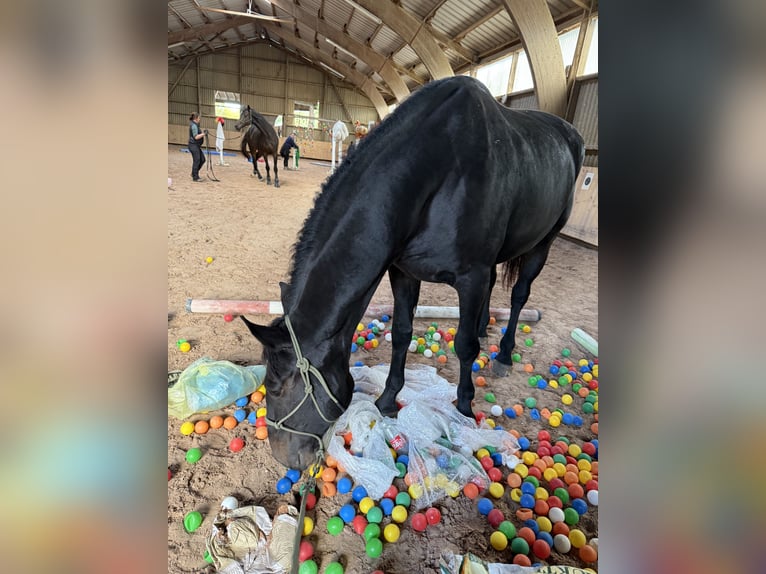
(216, 422)
(524, 514)
(347, 438)
(481, 381)
(583, 392)
(329, 488)
(229, 422)
(588, 554)
(521, 560)
(519, 410)
(492, 320)
(594, 428)
(331, 461)
(529, 367)
(493, 349)
(442, 359)
(261, 433)
(256, 397)
(329, 474)
(201, 427)
(471, 490)
(560, 528)
(514, 480)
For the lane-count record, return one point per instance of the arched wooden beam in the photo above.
(361, 51)
(414, 33)
(352, 76)
(540, 40)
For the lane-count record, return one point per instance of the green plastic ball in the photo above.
(371, 531)
(530, 402)
(192, 521)
(516, 358)
(532, 381)
(519, 546)
(421, 349)
(374, 547)
(208, 558)
(562, 438)
(563, 495)
(335, 525)
(308, 567)
(490, 398)
(403, 499)
(576, 387)
(529, 342)
(402, 469)
(334, 568)
(587, 408)
(507, 528)
(193, 455)
(565, 352)
(521, 326)
(571, 517)
(375, 515)
(533, 480)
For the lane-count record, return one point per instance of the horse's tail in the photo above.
(511, 271)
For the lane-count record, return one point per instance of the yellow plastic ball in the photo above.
(365, 504)
(262, 389)
(208, 259)
(184, 347)
(554, 421)
(415, 491)
(375, 343)
(452, 331)
(595, 407)
(568, 377)
(529, 458)
(441, 480)
(544, 523)
(308, 525)
(560, 469)
(452, 344)
(496, 490)
(490, 423)
(481, 453)
(595, 370)
(566, 399)
(553, 384)
(577, 538)
(399, 514)
(480, 363)
(515, 494)
(583, 464)
(521, 470)
(421, 341)
(391, 533)
(359, 327)
(261, 412)
(526, 329)
(574, 450)
(549, 474)
(541, 493)
(452, 489)
(187, 428)
(498, 540)
(315, 470)
(582, 362)
(587, 377)
(584, 476)
(435, 347)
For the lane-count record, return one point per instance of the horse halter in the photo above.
(306, 369)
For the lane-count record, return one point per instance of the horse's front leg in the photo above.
(472, 292)
(276, 170)
(406, 291)
(255, 166)
(268, 172)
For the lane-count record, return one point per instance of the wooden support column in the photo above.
(540, 40)
(199, 90)
(575, 67)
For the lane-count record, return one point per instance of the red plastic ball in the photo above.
(480, 416)
(419, 522)
(589, 448)
(555, 449)
(359, 523)
(543, 451)
(170, 474)
(236, 444)
(305, 550)
(554, 502)
(556, 483)
(541, 549)
(368, 345)
(260, 422)
(495, 474)
(541, 507)
(311, 500)
(433, 516)
(593, 384)
(543, 435)
(544, 443)
(228, 318)
(495, 517)
(391, 492)
(521, 560)
(571, 460)
(557, 363)
(534, 471)
(487, 462)
(591, 485)
(527, 534)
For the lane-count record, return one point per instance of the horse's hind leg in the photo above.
(472, 292)
(255, 165)
(268, 172)
(406, 291)
(276, 171)
(483, 340)
(531, 265)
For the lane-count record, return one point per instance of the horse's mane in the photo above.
(304, 245)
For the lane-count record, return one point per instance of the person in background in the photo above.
(278, 125)
(360, 132)
(196, 135)
(220, 137)
(287, 146)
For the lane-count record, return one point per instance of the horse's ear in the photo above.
(273, 336)
(248, 107)
(283, 292)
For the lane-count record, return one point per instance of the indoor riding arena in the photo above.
(334, 97)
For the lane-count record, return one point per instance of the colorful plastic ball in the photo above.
(495, 517)
(192, 521)
(284, 485)
(252, 418)
(592, 497)
(527, 488)
(334, 568)
(184, 347)
(433, 516)
(588, 554)
(187, 428)
(529, 342)
(571, 516)
(534, 414)
(386, 505)
(391, 533)
(375, 515)
(242, 401)
(240, 415)
(519, 546)
(308, 567)
(347, 513)
(359, 523)
(568, 419)
(507, 528)
(496, 490)
(530, 402)
(358, 493)
(484, 505)
(523, 443)
(308, 525)
(399, 514)
(556, 514)
(577, 538)
(510, 413)
(562, 543)
(305, 550)
(193, 455)
(580, 506)
(335, 525)
(344, 485)
(293, 474)
(496, 410)
(311, 500)
(541, 549)
(419, 522)
(490, 398)
(516, 357)
(374, 547)
(527, 501)
(371, 531)
(403, 499)
(498, 540)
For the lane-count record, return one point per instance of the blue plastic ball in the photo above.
(485, 505)
(284, 485)
(347, 513)
(442, 461)
(585, 369)
(386, 505)
(567, 419)
(594, 442)
(528, 488)
(541, 384)
(344, 485)
(554, 370)
(497, 458)
(354, 347)
(577, 421)
(580, 506)
(493, 355)
(242, 401)
(523, 443)
(573, 374)
(240, 415)
(293, 474)
(370, 336)
(510, 413)
(534, 414)
(385, 318)
(370, 325)
(475, 367)
(251, 418)
(358, 493)
(359, 364)
(404, 459)
(499, 427)
(503, 330)
(545, 536)
(527, 501)
(532, 523)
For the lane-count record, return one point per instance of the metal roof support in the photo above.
(540, 40)
(414, 32)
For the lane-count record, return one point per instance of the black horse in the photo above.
(484, 185)
(262, 140)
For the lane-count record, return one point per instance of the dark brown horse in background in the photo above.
(261, 139)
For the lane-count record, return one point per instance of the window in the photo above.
(306, 115)
(568, 43)
(591, 63)
(523, 79)
(391, 108)
(227, 105)
(495, 76)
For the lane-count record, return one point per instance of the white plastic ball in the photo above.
(229, 503)
(594, 542)
(428, 353)
(413, 347)
(387, 337)
(437, 337)
(561, 543)
(593, 497)
(496, 410)
(556, 515)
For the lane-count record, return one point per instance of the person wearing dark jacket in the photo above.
(196, 135)
(289, 144)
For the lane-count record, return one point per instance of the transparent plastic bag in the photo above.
(206, 385)
(369, 460)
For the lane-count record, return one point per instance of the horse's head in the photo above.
(286, 389)
(245, 118)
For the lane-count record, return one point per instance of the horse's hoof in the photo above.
(276, 184)
(387, 410)
(268, 182)
(466, 412)
(499, 369)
